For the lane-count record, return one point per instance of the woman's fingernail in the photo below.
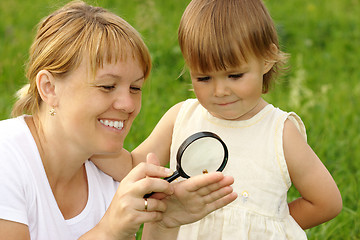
(169, 171)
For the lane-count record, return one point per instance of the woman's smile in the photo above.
(112, 123)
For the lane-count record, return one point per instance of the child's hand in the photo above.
(196, 197)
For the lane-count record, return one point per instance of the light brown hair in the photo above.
(71, 33)
(221, 34)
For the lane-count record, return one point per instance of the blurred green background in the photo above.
(322, 86)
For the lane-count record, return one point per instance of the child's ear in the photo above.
(269, 63)
(45, 83)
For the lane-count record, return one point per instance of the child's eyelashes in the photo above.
(230, 76)
(236, 76)
(203, 79)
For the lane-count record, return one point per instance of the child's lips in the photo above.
(226, 103)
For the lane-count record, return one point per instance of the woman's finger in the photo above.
(150, 184)
(151, 158)
(153, 205)
(143, 170)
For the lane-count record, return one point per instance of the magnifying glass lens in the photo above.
(201, 153)
(204, 155)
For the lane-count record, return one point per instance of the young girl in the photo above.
(85, 71)
(231, 49)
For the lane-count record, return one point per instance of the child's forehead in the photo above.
(240, 66)
(233, 69)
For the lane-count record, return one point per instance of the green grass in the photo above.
(323, 85)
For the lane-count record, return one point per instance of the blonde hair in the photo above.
(69, 34)
(220, 34)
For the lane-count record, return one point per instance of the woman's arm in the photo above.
(13, 230)
(320, 198)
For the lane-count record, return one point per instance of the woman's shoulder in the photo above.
(16, 142)
(12, 128)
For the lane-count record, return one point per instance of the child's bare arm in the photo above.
(159, 141)
(115, 165)
(320, 199)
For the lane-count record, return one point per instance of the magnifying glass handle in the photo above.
(174, 176)
(169, 179)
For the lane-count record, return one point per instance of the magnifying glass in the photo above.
(201, 153)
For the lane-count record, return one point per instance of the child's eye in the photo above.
(203, 79)
(236, 76)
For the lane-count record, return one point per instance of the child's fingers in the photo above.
(216, 195)
(214, 205)
(207, 183)
(210, 188)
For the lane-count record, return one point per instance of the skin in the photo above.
(80, 104)
(236, 94)
(83, 105)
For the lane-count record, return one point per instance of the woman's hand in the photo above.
(127, 210)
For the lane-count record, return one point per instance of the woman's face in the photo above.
(95, 114)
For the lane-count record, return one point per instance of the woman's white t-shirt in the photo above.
(25, 193)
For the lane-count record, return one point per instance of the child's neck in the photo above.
(258, 107)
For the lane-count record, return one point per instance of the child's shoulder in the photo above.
(183, 105)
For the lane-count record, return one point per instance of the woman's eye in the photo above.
(135, 89)
(107, 87)
(236, 76)
(203, 79)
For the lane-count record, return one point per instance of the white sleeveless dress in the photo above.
(257, 163)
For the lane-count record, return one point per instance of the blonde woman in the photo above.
(85, 72)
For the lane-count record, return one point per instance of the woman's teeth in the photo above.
(115, 124)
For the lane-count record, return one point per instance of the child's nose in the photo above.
(220, 89)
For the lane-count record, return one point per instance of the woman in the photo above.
(85, 71)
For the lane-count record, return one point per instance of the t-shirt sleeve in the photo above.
(12, 187)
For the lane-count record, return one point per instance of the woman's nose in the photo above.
(125, 102)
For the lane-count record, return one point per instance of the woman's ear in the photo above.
(45, 83)
(269, 63)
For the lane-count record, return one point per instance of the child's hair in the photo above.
(221, 34)
(72, 33)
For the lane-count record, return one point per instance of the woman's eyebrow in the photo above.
(117, 77)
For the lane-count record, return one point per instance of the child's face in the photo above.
(233, 94)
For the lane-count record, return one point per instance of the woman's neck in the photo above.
(66, 175)
(60, 164)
